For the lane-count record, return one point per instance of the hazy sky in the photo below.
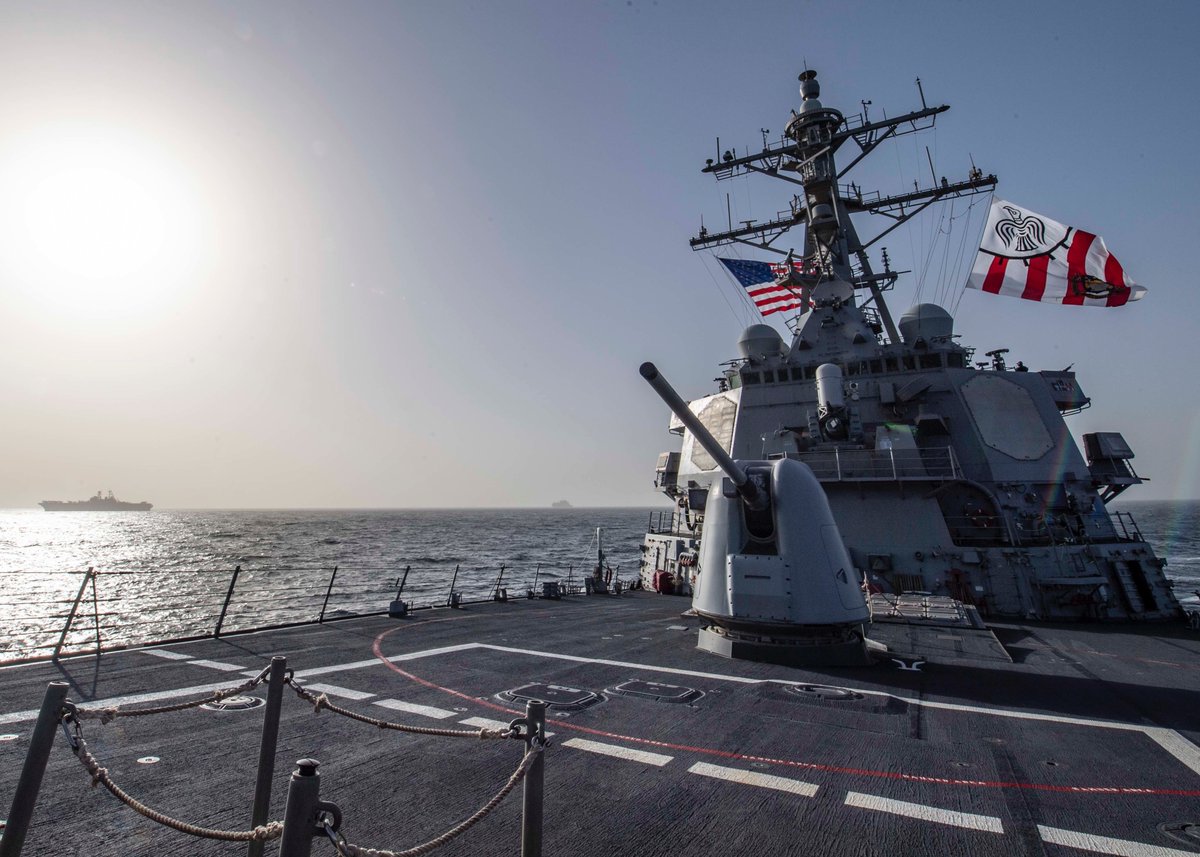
(412, 253)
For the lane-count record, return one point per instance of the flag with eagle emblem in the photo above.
(1029, 256)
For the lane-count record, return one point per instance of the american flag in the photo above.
(758, 278)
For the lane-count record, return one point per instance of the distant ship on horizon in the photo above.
(97, 503)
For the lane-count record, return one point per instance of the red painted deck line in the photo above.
(377, 649)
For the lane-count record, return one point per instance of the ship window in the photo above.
(749, 378)
(931, 361)
(954, 359)
(768, 376)
(852, 368)
(892, 364)
(876, 367)
(909, 363)
(797, 374)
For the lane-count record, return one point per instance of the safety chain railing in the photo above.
(106, 715)
(306, 816)
(350, 850)
(321, 702)
(100, 776)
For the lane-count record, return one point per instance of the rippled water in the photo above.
(167, 574)
(1173, 529)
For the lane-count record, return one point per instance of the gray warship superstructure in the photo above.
(99, 502)
(944, 476)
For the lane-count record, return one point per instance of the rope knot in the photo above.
(322, 701)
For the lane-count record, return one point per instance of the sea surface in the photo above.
(164, 574)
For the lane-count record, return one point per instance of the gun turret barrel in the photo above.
(749, 491)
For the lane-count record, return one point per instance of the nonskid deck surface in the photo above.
(1087, 743)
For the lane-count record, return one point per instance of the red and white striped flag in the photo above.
(1029, 256)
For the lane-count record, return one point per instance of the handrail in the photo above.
(131, 607)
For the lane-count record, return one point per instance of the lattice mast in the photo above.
(804, 156)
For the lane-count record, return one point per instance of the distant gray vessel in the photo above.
(944, 475)
(97, 503)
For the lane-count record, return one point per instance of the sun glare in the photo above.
(106, 220)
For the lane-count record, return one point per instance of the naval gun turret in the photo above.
(774, 581)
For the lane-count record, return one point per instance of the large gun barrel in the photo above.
(749, 491)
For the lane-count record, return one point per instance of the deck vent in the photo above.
(234, 703)
(1187, 832)
(556, 696)
(827, 694)
(672, 693)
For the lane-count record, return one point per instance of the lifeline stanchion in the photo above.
(328, 592)
(228, 596)
(302, 819)
(35, 767)
(89, 575)
(266, 750)
(532, 796)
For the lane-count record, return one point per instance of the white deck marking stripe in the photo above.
(217, 665)
(131, 699)
(618, 752)
(374, 662)
(413, 708)
(988, 823)
(171, 656)
(334, 690)
(1178, 746)
(1170, 740)
(485, 723)
(753, 778)
(950, 706)
(1107, 845)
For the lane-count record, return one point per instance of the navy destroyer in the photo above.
(944, 474)
(866, 455)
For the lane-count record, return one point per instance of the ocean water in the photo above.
(171, 573)
(167, 573)
(1173, 529)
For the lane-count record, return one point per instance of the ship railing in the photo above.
(674, 522)
(47, 615)
(882, 465)
(1124, 522)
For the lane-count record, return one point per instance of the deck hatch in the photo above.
(235, 703)
(819, 691)
(555, 696)
(656, 691)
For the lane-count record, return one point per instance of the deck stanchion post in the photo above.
(96, 612)
(36, 758)
(266, 750)
(62, 638)
(300, 816)
(451, 601)
(532, 798)
(228, 596)
(325, 603)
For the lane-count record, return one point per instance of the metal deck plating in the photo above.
(1084, 743)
